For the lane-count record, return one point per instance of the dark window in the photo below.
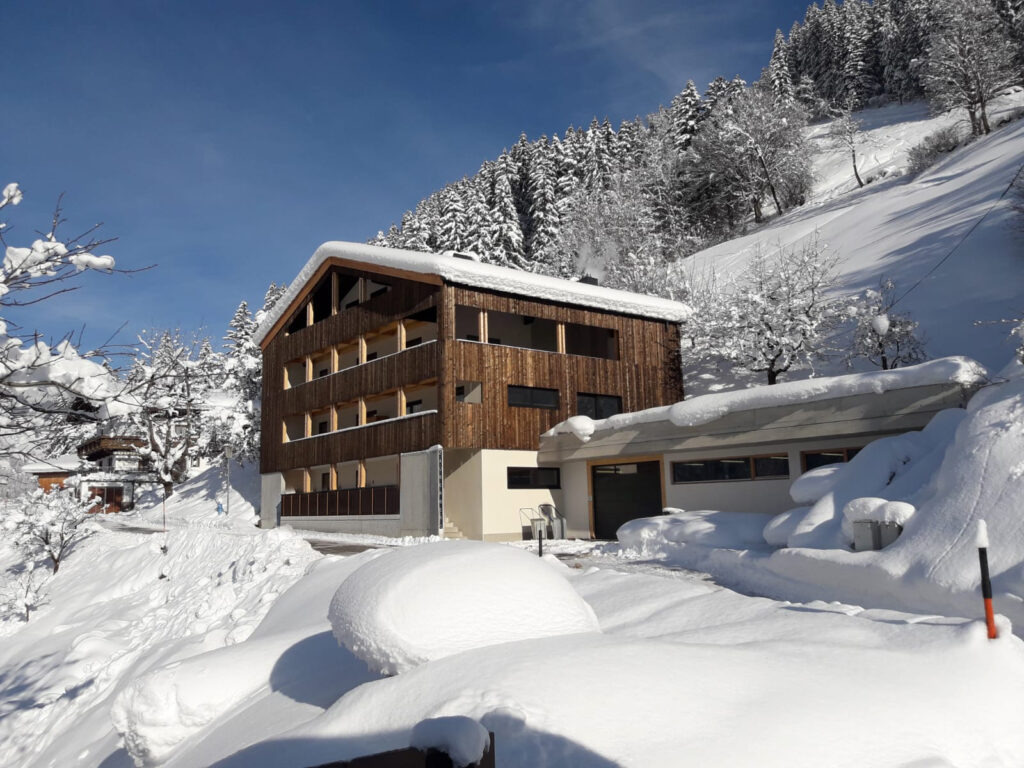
(413, 406)
(325, 481)
(414, 342)
(771, 466)
(598, 406)
(472, 337)
(532, 397)
(589, 341)
(298, 322)
(323, 372)
(814, 459)
(739, 468)
(323, 427)
(371, 356)
(534, 477)
(710, 470)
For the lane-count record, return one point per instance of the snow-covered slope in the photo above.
(945, 236)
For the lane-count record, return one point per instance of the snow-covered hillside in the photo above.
(945, 237)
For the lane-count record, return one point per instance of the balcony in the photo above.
(374, 500)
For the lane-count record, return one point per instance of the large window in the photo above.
(533, 397)
(814, 459)
(598, 406)
(589, 341)
(534, 477)
(738, 468)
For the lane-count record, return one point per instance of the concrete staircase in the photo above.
(451, 531)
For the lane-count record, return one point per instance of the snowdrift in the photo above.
(423, 603)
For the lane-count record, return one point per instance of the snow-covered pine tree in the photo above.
(684, 116)
(452, 226)
(778, 69)
(476, 239)
(543, 209)
(505, 231)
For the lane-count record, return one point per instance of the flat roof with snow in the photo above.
(463, 271)
(711, 413)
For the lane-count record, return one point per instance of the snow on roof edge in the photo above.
(477, 275)
(708, 408)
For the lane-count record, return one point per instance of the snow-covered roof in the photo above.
(477, 275)
(708, 408)
(69, 462)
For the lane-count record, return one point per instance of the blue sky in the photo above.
(224, 141)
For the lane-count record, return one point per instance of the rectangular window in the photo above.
(371, 356)
(533, 397)
(323, 427)
(413, 406)
(322, 372)
(738, 468)
(589, 341)
(598, 406)
(534, 477)
(325, 481)
(413, 342)
(814, 459)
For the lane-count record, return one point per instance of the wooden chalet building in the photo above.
(405, 393)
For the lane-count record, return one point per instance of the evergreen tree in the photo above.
(684, 116)
(778, 70)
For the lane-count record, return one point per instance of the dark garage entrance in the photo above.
(624, 492)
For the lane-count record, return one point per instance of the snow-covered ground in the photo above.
(945, 237)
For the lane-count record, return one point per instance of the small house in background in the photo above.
(737, 451)
(107, 468)
(53, 473)
(112, 470)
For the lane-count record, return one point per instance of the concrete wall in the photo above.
(574, 499)
(271, 486)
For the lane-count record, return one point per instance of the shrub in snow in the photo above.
(23, 593)
(48, 524)
(884, 337)
(709, 528)
(924, 155)
(413, 605)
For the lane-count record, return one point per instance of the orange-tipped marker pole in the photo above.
(981, 539)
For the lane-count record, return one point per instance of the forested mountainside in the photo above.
(628, 201)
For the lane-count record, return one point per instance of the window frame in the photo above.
(533, 404)
(533, 481)
(751, 469)
(847, 456)
(596, 397)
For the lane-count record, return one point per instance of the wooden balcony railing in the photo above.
(372, 500)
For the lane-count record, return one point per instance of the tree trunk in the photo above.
(771, 187)
(56, 563)
(975, 128)
(853, 156)
(168, 490)
(773, 376)
(758, 214)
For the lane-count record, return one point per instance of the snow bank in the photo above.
(733, 530)
(464, 740)
(412, 605)
(602, 700)
(473, 273)
(889, 468)
(708, 408)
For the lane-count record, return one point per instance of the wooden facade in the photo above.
(645, 374)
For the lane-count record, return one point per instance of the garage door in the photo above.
(624, 492)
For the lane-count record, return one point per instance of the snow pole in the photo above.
(540, 542)
(981, 539)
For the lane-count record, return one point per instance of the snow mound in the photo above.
(815, 483)
(414, 605)
(730, 530)
(462, 738)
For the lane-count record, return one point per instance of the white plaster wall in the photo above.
(501, 505)
(463, 491)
